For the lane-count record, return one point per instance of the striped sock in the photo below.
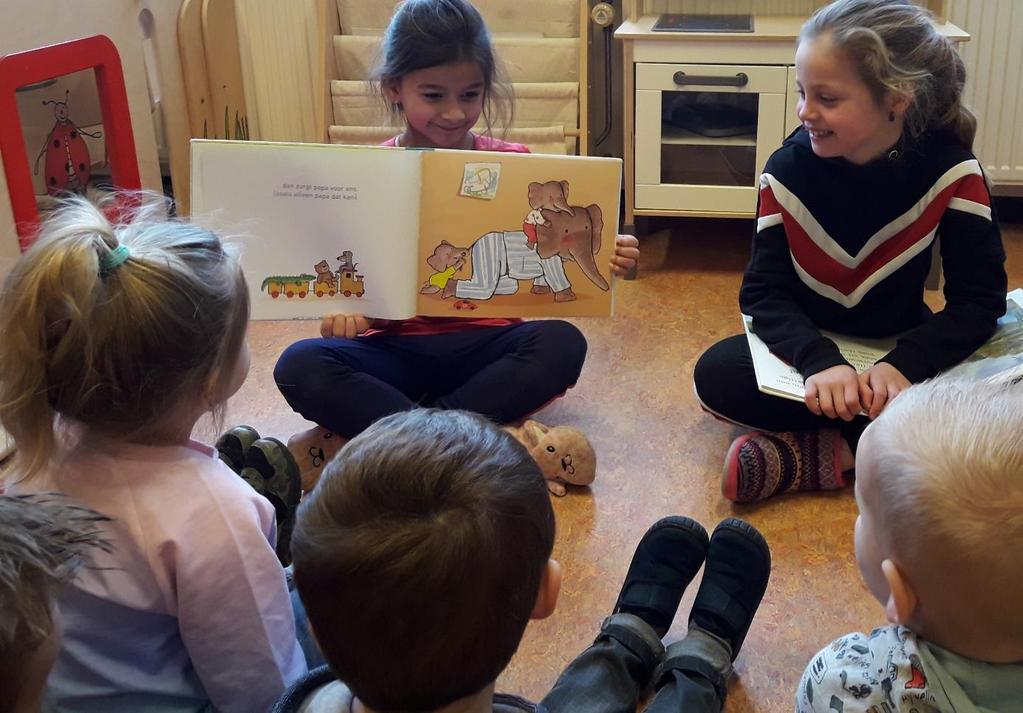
(762, 465)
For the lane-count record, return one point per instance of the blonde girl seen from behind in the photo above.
(133, 331)
(115, 339)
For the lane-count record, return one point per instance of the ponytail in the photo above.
(113, 325)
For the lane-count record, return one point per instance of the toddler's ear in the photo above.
(902, 600)
(550, 586)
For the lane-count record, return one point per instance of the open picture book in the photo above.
(1000, 357)
(392, 233)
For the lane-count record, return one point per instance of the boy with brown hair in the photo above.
(939, 484)
(426, 548)
(43, 541)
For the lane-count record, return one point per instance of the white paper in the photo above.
(297, 209)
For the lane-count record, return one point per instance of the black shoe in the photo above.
(272, 472)
(734, 581)
(233, 445)
(666, 560)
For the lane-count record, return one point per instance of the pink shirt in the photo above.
(191, 606)
(480, 142)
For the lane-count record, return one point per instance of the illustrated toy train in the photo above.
(349, 284)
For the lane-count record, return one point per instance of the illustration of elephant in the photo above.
(501, 259)
(550, 195)
(446, 260)
(574, 236)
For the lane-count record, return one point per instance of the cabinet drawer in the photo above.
(705, 78)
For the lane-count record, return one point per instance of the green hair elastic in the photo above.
(114, 259)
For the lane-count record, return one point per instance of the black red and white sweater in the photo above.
(846, 248)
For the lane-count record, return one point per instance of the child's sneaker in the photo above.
(761, 465)
(233, 445)
(273, 473)
(313, 449)
(735, 578)
(666, 559)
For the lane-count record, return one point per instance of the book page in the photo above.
(776, 377)
(323, 228)
(860, 352)
(516, 235)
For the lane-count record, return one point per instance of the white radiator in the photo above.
(993, 57)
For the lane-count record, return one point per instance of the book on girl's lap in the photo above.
(392, 233)
(1000, 358)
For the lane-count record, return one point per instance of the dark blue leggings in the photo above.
(503, 373)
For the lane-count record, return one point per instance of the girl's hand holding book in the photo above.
(879, 385)
(626, 254)
(834, 392)
(344, 325)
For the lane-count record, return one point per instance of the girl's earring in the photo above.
(891, 116)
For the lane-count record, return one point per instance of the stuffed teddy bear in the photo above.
(564, 454)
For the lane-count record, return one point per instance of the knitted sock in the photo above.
(762, 465)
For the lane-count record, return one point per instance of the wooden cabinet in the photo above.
(703, 134)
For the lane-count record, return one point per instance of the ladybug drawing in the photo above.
(67, 157)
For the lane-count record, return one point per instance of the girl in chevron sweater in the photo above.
(850, 207)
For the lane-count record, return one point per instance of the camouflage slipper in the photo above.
(233, 445)
(272, 472)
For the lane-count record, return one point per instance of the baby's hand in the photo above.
(879, 385)
(344, 325)
(626, 254)
(834, 392)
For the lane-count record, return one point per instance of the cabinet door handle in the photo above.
(739, 80)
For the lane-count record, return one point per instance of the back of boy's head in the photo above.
(43, 541)
(945, 486)
(429, 33)
(419, 557)
(115, 345)
(895, 47)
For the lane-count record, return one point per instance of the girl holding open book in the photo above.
(850, 207)
(439, 72)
